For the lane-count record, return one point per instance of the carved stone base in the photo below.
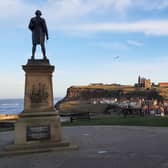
(39, 123)
(33, 129)
(38, 86)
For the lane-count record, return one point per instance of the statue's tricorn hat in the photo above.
(38, 12)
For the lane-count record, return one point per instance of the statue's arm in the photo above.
(46, 30)
(31, 25)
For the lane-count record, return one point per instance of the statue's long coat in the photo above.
(39, 29)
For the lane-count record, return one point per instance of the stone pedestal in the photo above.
(38, 128)
(39, 121)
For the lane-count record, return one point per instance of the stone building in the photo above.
(144, 83)
(163, 84)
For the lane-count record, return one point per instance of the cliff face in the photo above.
(81, 98)
(85, 93)
(74, 93)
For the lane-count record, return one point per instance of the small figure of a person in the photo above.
(39, 31)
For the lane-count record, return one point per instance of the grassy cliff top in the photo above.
(162, 91)
(128, 88)
(104, 86)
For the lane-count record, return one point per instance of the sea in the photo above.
(15, 106)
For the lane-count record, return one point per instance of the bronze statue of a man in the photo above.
(39, 31)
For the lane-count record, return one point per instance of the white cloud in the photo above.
(67, 14)
(151, 4)
(109, 45)
(13, 9)
(115, 45)
(147, 27)
(77, 8)
(135, 43)
(63, 10)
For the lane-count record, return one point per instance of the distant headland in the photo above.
(97, 97)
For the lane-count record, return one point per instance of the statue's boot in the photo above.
(44, 57)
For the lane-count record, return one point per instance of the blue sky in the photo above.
(99, 41)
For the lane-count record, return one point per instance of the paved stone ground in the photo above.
(100, 146)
